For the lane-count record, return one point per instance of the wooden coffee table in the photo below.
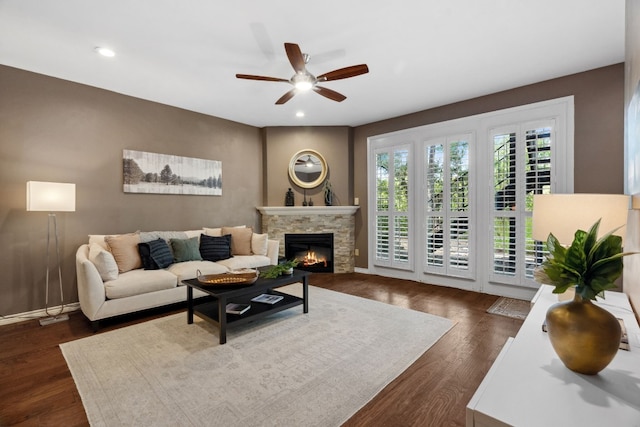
(214, 310)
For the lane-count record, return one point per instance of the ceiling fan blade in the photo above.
(328, 93)
(343, 73)
(295, 57)
(287, 96)
(269, 79)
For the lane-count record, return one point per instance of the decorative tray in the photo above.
(233, 278)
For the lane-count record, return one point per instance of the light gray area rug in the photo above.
(290, 369)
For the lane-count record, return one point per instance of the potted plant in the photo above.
(275, 271)
(585, 336)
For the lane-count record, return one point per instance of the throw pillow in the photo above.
(155, 254)
(212, 231)
(240, 240)
(185, 250)
(124, 248)
(160, 253)
(145, 255)
(218, 231)
(215, 248)
(103, 260)
(259, 244)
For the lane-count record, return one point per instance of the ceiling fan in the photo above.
(303, 80)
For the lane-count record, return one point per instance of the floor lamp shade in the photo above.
(51, 196)
(564, 214)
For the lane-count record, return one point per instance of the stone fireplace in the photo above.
(336, 220)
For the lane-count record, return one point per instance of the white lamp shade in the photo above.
(564, 214)
(51, 196)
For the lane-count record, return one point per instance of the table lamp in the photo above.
(52, 197)
(564, 214)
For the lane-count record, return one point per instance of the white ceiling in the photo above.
(420, 53)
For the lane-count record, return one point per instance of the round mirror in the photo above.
(307, 169)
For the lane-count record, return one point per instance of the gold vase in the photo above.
(585, 336)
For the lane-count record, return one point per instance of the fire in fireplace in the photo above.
(314, 251)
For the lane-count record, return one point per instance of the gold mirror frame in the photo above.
(318, 169)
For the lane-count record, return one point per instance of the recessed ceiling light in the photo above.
(105, 51)
(300, 114)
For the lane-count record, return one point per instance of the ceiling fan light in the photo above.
(309, 162)
(303, 85)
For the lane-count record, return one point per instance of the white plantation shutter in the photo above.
(449, 223)
(393, 237)
(522, 162)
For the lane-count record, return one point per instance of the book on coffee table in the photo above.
(237, 308)
(267, 298)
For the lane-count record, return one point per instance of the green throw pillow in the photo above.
(186, 249)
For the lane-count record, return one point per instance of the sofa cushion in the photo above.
(215, 248)
(259, 244)
(104, 261)
(189, 270)
(245, 261)
(136, 282)
(148, 236)
(124, 248)
(155, 254)
(240, 240)
(185, 249)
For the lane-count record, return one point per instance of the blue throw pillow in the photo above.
(155, 254)
(160, 253)
(145, 256)
(214, 248)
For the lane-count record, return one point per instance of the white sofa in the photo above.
(140, 289)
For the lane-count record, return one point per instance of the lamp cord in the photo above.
(46, 301)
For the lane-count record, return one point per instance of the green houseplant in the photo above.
(277, 270)
(585, 336)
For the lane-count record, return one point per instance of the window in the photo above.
(447, 211)
(392, 217)
(522, 166)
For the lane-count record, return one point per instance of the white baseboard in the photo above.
(361, 270)
(37, 314)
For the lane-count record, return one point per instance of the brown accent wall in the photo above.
(598, 146)
(55, 130)
(281, 143)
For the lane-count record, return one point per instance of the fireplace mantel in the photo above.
(308, 210)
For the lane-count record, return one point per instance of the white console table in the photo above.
(528, 385)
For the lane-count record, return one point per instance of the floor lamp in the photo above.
(52, 197)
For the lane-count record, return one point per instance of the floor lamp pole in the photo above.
(59, 317)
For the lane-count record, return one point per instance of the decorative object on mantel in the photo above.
(304, 195)
(328, 193)
(285, 267)
(585, 336)
(289, 198)
(310, 202)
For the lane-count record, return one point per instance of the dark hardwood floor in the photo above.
(36, 387)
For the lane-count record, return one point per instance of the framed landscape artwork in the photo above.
(145, 172)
